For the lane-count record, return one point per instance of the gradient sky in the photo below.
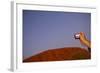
(43, 30)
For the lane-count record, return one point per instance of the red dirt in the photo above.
(67, 53)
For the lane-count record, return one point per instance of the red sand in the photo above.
(67, 53)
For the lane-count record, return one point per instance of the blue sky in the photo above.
(43, 30)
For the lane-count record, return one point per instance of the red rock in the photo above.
(60, 54)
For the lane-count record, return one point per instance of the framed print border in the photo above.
(16, 35)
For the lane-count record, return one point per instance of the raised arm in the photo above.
(84, 40)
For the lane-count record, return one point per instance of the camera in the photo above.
(77, 36)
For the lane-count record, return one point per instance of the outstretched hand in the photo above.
(84, 40)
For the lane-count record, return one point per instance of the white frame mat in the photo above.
(16, 52)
